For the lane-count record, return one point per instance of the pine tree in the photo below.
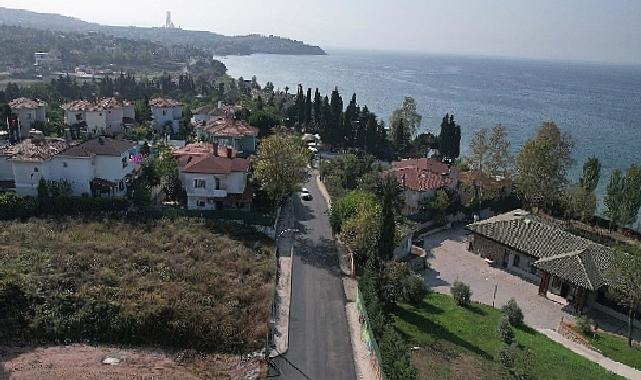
(308, 107)
(317, 106)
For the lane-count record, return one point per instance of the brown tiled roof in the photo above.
(36, 150)
(230, 128)
(92, 106)
(472, 177)
(210, 164)
(417, 179)
(26, 103)
(100, 146)
(164, 103)
(434, 166)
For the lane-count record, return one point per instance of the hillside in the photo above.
(215, 43)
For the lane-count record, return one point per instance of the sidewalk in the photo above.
(284, 285)
(605, 362)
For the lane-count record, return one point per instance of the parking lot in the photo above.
(450, 260)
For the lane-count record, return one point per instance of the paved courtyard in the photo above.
(450, 261)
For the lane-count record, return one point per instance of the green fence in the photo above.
(368, 337)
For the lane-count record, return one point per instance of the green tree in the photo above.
(43, 189)
(395, 356)
(437, 206)
(583, 197)
(504, 330)
(613, 199)
(265, 120)
(388, 194)
(591, 174)
(450, 138)
(281, 164)
(500, 159)
(360, 230)
(411, 118)
(625, 284)
(479, 147)
(542, 165)
(348, 206)
(631, 195)
(142, 111)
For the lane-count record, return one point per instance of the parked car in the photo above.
(305, 195)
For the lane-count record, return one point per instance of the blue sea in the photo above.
(599, 105)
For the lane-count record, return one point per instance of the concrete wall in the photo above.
(96, 122)
(114, 119)
(129, 112)
(163, 115)
(26, 116)
(78, 172)
(27, 174)
(6, 169)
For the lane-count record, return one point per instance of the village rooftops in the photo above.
(209, 159)
(417, 179)
(560, 253)
(164, 103)
(230, 128)
(100, 146)
(36, 150)
(26, 103)
(95, 106)
(429, 164)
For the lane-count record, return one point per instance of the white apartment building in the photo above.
(27, 111)
(166, 112)
(103, 116)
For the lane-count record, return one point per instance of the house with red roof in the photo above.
(27, 111)
(166, 114)
(213, 177)
(420, 179)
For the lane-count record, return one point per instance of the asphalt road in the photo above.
(319, 342)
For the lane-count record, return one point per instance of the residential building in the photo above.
(475, 184)
(213, 177)
(166, 112)
(420, 179)
(103, 116)
(27, 112)
(231, 133)
(97, 167)
(543, 252)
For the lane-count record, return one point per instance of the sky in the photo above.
(581, 30)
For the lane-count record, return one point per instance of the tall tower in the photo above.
(168, 23)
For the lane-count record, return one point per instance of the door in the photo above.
(565, 289)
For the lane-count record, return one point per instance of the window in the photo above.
(124, 162)
(556, 282)
(121, 186)
(35, 170)
(217, 183)
(64, 165)
(200, 203)
(164, 113)
(516, 261)
(100, 114)
(199, 183)
(29, 116)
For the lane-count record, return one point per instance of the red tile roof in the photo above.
(210, 164)
(164, 103)
(230, 128)
(418, 179)
(434, 166)
(36, 150)
(26, 103)
(93, 106)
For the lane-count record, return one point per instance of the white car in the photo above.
(305, 195)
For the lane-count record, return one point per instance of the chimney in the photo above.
(215, 150)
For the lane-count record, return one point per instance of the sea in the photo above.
(598, 104)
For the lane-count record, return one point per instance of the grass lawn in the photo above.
(459, 343)
(180, 283)
(616, 348)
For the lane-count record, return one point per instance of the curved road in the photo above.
(319, 342)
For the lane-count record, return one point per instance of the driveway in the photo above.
(450, 261)
(319, 341)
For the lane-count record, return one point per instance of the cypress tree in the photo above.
(317, 106)
(308, 107)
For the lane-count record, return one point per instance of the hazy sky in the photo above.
(591, 30)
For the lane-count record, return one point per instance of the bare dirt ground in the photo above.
(86, 363)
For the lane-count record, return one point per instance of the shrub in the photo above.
(347, 206)
(504, 330)
(461, 293)
(585, 325)
(505, 356)
(512, 310)
(414, 290)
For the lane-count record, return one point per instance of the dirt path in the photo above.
(86, 363)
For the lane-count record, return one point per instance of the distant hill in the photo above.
(213, 42)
